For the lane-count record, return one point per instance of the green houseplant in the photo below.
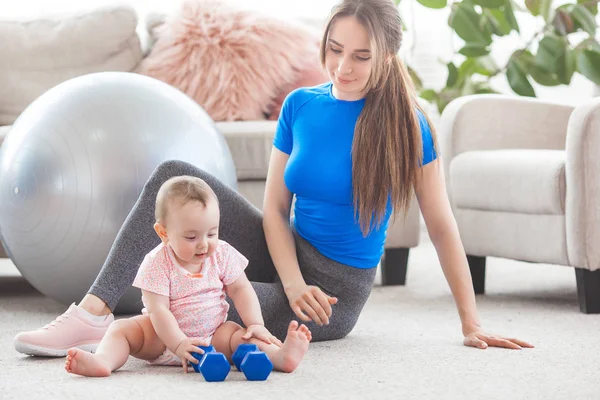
(564, 45)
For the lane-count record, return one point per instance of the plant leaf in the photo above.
(434, 3)
(589, 44)
(452, 75)
(550, 49)
(489, 3)
(527, 62)
(563, 23)
(546, 10)
(468, 88)
(517, 79)
(509, 15)
(541, 76)
(474, 50)
(590, 5)
(483, 87)
(497, 20)
(446, 96)
(566, 65)
(585, 18)
(588, 63)
(533, 6)
(539, 7)
(524, 57)
(429, 94)
(485, 66)
(415, 78)
(466, 22)
(465, 70)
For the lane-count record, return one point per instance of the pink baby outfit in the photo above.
(197, 301)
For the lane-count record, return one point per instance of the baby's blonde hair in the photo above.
(181, 189)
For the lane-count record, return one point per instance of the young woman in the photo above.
(352, 151)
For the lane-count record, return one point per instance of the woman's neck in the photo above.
(345, 96)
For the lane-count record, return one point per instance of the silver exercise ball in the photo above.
(74, 164)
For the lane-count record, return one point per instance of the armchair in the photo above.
(523, 178)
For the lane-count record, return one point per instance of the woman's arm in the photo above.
(276, 222)
(443, 231)
(307, 302)
(441, 225)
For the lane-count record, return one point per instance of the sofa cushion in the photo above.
(250, 143)
(231, 60)
(39, 54)
(521, 181)
(253, 191)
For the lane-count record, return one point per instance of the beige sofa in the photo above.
(523, 176)
(44, 52)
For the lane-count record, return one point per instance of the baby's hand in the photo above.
(187, 347)
(261, 333)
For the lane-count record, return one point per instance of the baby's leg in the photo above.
(135, 336)
(286, 358)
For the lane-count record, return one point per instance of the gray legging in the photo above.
(241, 226)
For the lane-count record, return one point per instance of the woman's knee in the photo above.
(170, 168)
(319, 335)
(339, 327)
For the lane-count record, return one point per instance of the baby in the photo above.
(184, 283)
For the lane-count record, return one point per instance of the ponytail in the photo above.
(387, 148)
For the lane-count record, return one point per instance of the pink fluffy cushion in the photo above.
(311, 74)
(233, 62)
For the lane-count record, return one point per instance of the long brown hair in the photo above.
(387, 150)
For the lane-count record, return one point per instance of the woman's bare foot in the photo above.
(294, 347)
(87, 364)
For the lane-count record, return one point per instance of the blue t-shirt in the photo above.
(317, 131)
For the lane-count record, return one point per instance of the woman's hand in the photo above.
(187, 347)
(261, 333)
(482, 340)
(310, 303)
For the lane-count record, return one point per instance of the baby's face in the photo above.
(193, 230)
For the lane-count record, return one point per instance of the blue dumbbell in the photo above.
(254, 363)
(213, 366)
(198, 356)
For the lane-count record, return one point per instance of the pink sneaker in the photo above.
(72, 329)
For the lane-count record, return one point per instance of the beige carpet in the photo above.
(407, 345)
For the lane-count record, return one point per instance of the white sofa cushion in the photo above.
(39, 54)
(521, 181)
(250, 143)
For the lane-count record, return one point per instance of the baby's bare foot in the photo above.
(83, 363)
(293, 349)
(304, 329)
